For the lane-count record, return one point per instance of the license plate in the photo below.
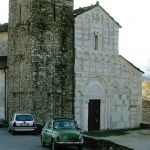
(24, 124)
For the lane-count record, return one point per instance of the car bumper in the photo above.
(69, 143)
(24, 129)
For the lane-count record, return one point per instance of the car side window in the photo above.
(50, 125)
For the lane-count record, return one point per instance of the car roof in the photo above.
(60, 118)
(22, 114)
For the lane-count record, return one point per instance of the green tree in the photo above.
(4, 27)
(146, 90)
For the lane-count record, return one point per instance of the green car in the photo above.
(61, 131)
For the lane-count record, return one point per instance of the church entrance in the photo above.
(94, 115)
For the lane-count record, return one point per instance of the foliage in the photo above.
(106, 133)
(146, 90)
(4, 27)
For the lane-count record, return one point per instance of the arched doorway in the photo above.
(94, 110)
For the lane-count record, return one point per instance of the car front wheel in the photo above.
(79, 147)
(43, 143)
(53, 146)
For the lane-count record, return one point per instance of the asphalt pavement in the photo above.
(23, 141)
(19, 142)
(137, 140)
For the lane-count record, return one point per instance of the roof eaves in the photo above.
(131, 64)
(82, 10)
(110, 16)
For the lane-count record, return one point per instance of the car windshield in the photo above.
(64, 124)
(24, 118)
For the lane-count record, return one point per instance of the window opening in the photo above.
(20, 12)
(96, 42)
(54, 9)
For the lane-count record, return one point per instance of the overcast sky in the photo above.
(132, 15)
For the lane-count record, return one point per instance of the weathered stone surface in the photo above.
(41, 58)
(146, 111)
(41, 62)
(3, 68)
(3, 43)
(102, 74)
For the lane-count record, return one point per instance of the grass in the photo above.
(105, 133)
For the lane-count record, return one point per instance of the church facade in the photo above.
(107, 92)
(108, 87)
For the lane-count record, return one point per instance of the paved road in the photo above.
(136, 139)
(22, 142)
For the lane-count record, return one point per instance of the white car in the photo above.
(22, 122)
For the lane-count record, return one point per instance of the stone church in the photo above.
(108, 87)
(54, 63)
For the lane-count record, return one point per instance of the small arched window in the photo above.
(96, 42)
(20, 12)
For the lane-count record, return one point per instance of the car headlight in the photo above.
(81, 138)
(58, 139)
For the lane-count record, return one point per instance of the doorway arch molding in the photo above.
(95, 88)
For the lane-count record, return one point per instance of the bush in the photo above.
(3, 123)
(4, 27)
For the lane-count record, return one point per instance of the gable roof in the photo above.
(82, 10)
(131, 64)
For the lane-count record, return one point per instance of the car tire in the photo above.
(9, 130)
(79, 147)
(43, 143)
(13, 132)
(34, 132)
(53, 145)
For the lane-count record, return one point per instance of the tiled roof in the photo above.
(82, 10)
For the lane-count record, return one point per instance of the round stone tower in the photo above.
(41, 58)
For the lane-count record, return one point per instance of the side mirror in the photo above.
(78, 128)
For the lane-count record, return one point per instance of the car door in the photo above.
(48, 132)
(44, 132)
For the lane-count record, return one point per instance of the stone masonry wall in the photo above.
(3, 49)
(3, 67)
(3, 43)
(41, 58)
(146, 111)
